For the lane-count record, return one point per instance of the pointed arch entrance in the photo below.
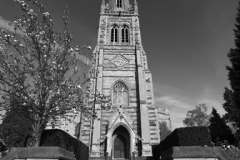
(121, 143)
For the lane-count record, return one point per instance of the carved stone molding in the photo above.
(119, 61)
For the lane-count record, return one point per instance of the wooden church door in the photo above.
(120, 147)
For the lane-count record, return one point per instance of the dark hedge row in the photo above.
(189, 136)
(56, 137)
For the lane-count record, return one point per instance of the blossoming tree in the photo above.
(38, 69)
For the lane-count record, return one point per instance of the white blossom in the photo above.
(42, 32)
(30, 11)
(46, 14)
(89, 47)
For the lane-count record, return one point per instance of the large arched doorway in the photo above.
(120, 147)
(121, 143)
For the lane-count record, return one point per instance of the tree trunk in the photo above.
(36, 136)
(37, 141)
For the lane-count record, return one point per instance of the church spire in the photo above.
(103, 6)
(135, 7)
(103, 2)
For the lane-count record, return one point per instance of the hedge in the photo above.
(56, 137)
(188, 136)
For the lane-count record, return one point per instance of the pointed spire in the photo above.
(135, 7)
(103, 6)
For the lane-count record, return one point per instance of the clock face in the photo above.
(119, 61)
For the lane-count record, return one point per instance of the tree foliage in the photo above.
(232, 95)
(197, 116)
(3, 148)
(38, 69)
(15, 129)
(218, 128)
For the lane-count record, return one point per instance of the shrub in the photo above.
(191, 136)
(229, 149)
(56, 137)
(219, 129)
(188, 136)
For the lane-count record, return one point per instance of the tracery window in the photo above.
(119, 94)
(114, 34)
(119, 3)
(125, 34)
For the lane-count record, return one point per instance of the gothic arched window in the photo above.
(119, 3)
(119, 94)
(114, 34)
(125, 34)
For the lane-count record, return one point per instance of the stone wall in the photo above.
(195, 153)
(197, 159)
(39, 153)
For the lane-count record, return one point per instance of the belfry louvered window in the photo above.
(114, 34)
(125, 34)
(119, 3)
(119, 94)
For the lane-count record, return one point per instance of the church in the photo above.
(130, 126)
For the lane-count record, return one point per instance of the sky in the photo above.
(186, 42)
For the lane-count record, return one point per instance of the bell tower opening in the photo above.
(119, 3)
(121, 143)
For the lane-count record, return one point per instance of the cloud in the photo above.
(161, 89)
(174, 99)
(171, 96)
(171, 101)
(177, 120)
(178, 109)
(211, 98)
(179, 102)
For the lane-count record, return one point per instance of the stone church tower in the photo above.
(130, 126)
